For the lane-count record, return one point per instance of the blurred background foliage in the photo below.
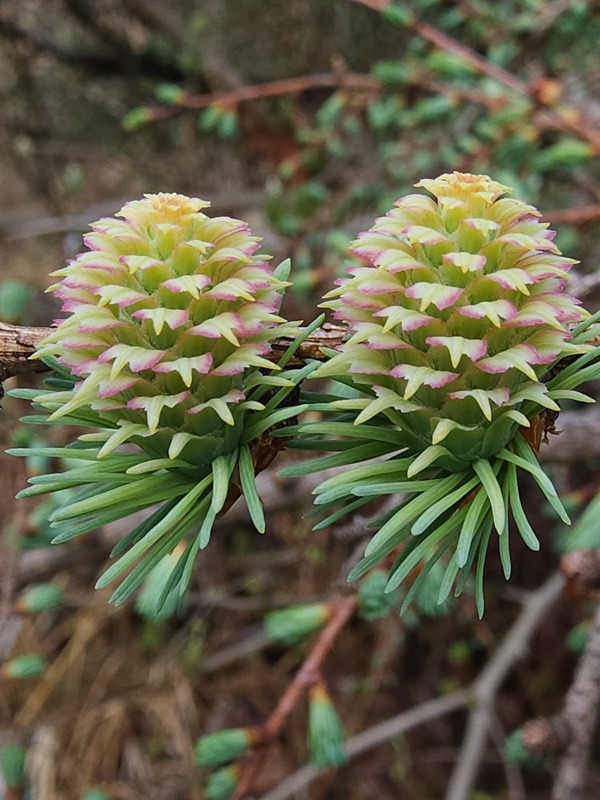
(315, 114)
(307, 118)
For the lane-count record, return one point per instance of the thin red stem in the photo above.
(308, 675)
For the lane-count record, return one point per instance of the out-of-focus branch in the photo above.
(580, 712)
(348, 81)
(573, 216)
(570, 731)
(327, 80)
(488, 683)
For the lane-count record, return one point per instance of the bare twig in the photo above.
(348, 81)
(18, 344)
(326, 80)
(580, 712)
(246, 645)
(572, 216)
(487, 684)
(469, 56)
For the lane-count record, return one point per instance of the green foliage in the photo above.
(289, 208)
(449, 65)
(393, 72)
(169, 93)
(398, 14)
(152, 601)
(585, 534)
(567, 153)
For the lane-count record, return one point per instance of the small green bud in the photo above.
(44, 597)
(136, 118)
(291, 625)
(373, 601)
(14, 299)
(218, 748)
(567, 153)
(169, 93)
(577, 638)
(398, 15)
(517, 752)
(392, 72)
(12, 764)
(95, 794)
(449, 65)
(27, 667)
(221, 784)
(325, 733)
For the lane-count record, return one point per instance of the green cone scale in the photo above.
(164, 354)
(456, 310)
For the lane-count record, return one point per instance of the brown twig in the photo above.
(572, 216)
(580, 712)
(18, 344)
(326, 80)
(348, 81)
(309, 673)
